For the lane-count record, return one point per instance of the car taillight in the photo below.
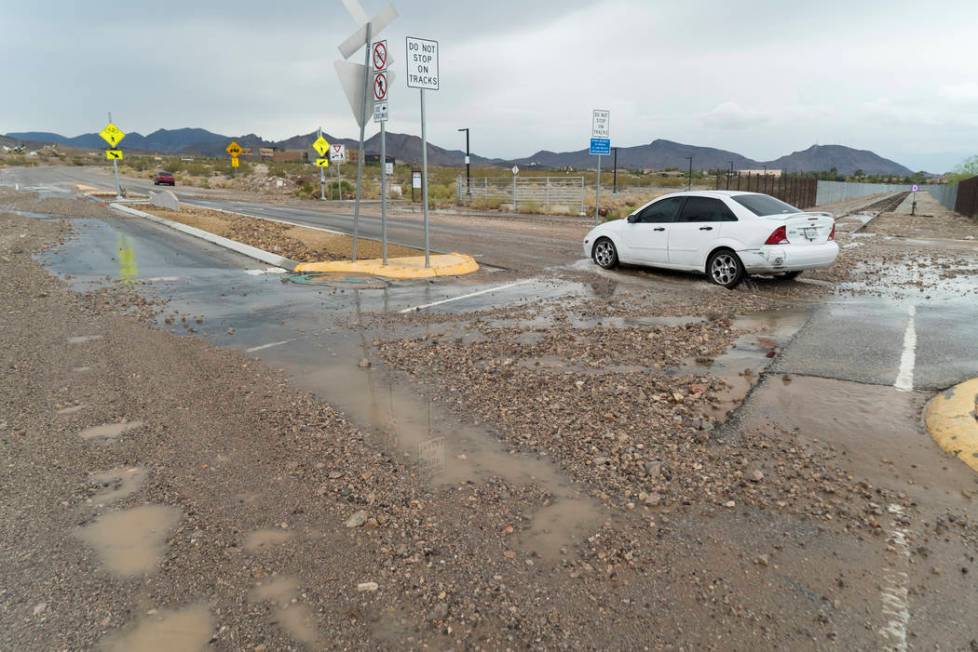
(780, 236)
(832, 234)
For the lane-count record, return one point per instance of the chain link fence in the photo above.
(523, 194)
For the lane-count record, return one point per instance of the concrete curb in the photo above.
(951, 421)
(401, 269)
(246, 250)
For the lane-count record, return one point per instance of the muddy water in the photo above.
(423, 432)
(878, 428)
(186, 630)
(295, 618)
(116, 484)
(130, 542)
(109, 430)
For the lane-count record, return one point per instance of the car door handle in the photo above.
(659, 228)
(706, 228)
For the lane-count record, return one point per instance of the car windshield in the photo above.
(763, 205)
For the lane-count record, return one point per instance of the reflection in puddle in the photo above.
(130, 542)
(187, 630)
(117, 484)
(127, 259)
(109, 430)
(262, 539)
(296, 619)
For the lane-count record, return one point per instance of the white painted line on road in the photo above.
(467, 296)
(895, 592)
(263, 272)
(904, 381)
(160, 279)
(256, 349)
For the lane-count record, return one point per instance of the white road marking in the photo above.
(904, 381)
(895, 591)
(467, 296)
(255, 349)
(160, 279)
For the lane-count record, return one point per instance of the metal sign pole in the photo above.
(597, 195)
(383, 190)
(363, 125)
(339, 180)
(516, 208)
(322, 176)
(115, 169)
(424, 181)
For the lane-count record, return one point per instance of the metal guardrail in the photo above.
(530, 194)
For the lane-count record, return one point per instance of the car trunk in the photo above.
(805, 228)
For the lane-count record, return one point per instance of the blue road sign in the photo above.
(600, 147)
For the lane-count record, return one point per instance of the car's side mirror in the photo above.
(633, 218)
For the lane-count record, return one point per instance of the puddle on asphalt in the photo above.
(109, 430)
(186, 630)
(130, 542)
(295, 618)
(263, 539)
(116, 484)
(878, 427)
(83, 339)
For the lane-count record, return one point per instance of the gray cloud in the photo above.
(758, 76)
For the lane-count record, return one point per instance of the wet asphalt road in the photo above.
(499, 245)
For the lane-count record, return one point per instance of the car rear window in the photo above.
(762, 205)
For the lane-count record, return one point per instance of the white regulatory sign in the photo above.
(337, 152)
(422, 63)
(601, 124)
(381, 112)
(416, 180)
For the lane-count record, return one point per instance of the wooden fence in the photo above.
(797, 190)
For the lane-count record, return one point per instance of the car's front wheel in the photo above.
(724, 268)
(604, 253)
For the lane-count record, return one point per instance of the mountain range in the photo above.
(657, 155)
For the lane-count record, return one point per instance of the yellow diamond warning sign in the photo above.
(112, 135)
(321, 145)
(234, 149)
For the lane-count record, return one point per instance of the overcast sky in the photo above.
(760, 77)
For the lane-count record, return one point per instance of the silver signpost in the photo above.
(422, 73)
(380, 59)
(357, 81)
(600, 146)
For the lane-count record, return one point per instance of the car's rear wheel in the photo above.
(604, 253)
(724, 268)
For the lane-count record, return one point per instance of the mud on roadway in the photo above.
(623, 467)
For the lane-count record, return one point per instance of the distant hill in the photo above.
(846, 160)
(657, 155)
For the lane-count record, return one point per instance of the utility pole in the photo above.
(614, 182)
(689, 183)
(468, 164)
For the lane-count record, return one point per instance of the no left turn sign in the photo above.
(380, 87)
(379, 56)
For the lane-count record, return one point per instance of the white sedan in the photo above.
(723, 233)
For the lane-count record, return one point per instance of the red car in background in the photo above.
(163, 178)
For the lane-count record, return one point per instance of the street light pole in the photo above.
(614, 182)
(689, 184)
(468, 164)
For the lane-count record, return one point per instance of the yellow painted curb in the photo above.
(951, 421)
(411, 267)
